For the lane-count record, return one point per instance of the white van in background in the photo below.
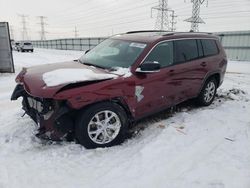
(25, 46)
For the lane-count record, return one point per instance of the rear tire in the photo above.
(208, 92)
(101, 125)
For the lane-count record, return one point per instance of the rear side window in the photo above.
(185, 50)
(209, 47)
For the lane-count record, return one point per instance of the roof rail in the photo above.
(176, 33)
(145, 31)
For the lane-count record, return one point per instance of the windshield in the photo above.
(113, 53)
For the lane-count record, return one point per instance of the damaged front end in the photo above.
(54, 118)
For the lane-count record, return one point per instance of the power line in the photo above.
(195, 19)
(104, 14)
(42, 24)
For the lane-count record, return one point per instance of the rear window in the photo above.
(185, 50)
(209, 47)
(27, 43)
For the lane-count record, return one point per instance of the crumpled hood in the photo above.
(32, 77)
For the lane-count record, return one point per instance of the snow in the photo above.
(194, 147)
(62, 76)
(124, 72)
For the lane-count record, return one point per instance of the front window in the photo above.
(113, 53)
(163, 54)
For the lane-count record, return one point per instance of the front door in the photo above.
(155, 91)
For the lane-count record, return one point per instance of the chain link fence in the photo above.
(68, 44)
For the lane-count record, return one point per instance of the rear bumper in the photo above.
(53, 118)
(27, 48)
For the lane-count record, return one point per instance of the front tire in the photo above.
(101, 125)
(208, 92)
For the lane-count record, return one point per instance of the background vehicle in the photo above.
(25, 47)
(16, 46)
(164, 69)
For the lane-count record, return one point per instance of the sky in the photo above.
(98, 18)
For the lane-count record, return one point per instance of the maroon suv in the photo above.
(121, 80)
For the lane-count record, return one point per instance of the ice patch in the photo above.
(62, 76)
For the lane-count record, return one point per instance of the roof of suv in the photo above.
(158, 35)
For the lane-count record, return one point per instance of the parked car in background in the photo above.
(123, 79)
(16, 46)
(25, 47)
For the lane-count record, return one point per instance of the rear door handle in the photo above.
(203, 64)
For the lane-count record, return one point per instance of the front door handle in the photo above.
(203, 64)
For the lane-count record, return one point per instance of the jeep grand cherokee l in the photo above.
(94, 100)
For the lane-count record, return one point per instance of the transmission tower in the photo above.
(195, 19)
(24, 28)
(76, 32)
(162, 22)
(42, 24)
(172, 22)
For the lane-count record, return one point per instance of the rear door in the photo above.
(189, 68)
(6, 59)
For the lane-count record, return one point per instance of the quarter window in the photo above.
(209, 47)
(185, 50)
(163, 54)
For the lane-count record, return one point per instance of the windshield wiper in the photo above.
(90, 64)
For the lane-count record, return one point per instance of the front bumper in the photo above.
(54, 118)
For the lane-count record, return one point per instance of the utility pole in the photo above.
(162, 21)
(172, 22)
(42, 24)
(195, 19)
(12, 32)
(76, 32)
(24, 28)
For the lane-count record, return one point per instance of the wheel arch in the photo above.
(215, 75)
(117, 100)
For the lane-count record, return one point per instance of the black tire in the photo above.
(202, 99)
(83, 123)
(32, 51)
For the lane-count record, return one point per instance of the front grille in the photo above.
(42, 106)
(33, 103)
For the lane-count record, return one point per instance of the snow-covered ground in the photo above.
(194, 148)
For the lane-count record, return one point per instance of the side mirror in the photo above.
(149, 67)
